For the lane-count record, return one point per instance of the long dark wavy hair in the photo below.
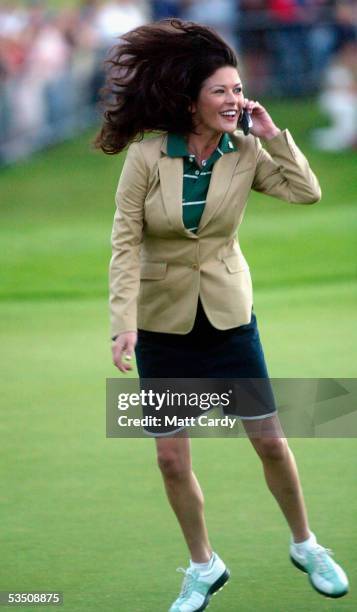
(154, 74)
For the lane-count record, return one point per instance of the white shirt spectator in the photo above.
(116, 18)
(338, 101)
(49, 55)
(12, 21)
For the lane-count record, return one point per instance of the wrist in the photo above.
(130, 331)
(275, 131)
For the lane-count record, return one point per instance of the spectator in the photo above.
(118, 16)
(321, 40)
(222, 15)
(345, 22)
(287, 45)
(339, 101)
(163, 9)
(252, 27)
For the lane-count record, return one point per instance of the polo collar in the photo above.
(177, 147)
(226, 144)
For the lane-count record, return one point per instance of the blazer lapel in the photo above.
(171, 178)
(171, 181)
(221, 179)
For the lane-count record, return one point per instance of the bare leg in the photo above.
(184, 493)
(281, 473)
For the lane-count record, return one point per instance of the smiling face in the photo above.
(219, 102)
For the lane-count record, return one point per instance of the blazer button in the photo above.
(195, 266)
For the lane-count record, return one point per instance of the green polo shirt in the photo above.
(196, 180)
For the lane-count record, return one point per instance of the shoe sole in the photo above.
(329, 595)
(216, 586)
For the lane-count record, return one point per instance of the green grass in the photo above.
(87, 515)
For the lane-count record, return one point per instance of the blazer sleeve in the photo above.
(124, 269)
(283, 171)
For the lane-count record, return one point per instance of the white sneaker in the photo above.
(198, 587)
(325, 575)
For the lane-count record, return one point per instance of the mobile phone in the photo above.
(245, 122)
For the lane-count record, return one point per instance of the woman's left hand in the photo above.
(263, 125)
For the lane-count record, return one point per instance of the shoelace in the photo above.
(319, 553)
(188, 581)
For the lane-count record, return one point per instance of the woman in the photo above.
(180, 286)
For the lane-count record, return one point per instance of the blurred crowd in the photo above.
(51, 61)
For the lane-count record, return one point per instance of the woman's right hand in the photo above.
(123, 350)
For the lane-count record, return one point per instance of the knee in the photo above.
(172, 465)
(272, 449)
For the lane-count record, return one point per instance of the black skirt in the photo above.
(209, 353)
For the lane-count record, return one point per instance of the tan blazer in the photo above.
(159, 268)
